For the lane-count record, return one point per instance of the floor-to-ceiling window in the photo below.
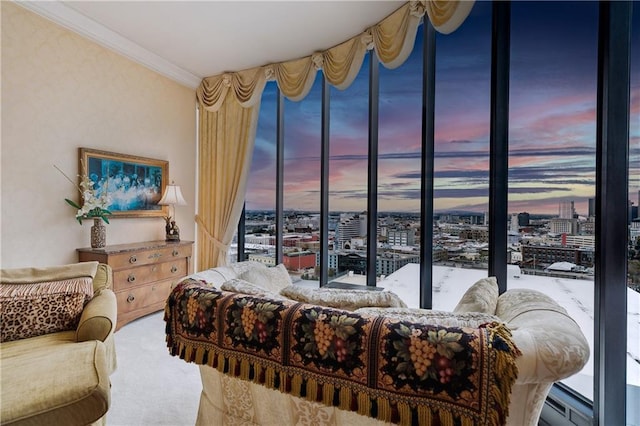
(552, 120)
(301, 188)
(552, 143)
(260, 199)
(461, 168)
(399, 148)
(348, 150)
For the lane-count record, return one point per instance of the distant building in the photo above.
(633, 212)
(350, 227)
(563, 226)
(523, 219)
(475, 233)
(581, 241)
(299, 260)
(566, 210)
(587, 227)
(401, 237)
(541, 256)
(592, 207)
(264, 259)
(387, 263)
(353, 261)
(514, 225)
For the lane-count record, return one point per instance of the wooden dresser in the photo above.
(143, 273)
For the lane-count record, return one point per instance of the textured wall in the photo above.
(61, 91)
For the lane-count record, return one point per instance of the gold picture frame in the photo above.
(134, 184)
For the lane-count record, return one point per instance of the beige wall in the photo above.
(61, 91)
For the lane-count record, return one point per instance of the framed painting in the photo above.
(134, 184)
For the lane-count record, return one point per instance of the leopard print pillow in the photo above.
(30, 310)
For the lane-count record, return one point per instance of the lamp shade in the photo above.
(172, 196)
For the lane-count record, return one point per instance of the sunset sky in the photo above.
(552, 122)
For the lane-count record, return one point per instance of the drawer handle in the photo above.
(174, 269)
(154, 255)
(131, 298)
(133, 259)
(175, 252)
(131, 278)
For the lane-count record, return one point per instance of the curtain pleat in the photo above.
(395, 36)
(446, 16)
(342, 62)
(230, 102)
(295, 78)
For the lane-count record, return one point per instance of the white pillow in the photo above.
(480, 297)
(238, 285)
(273, 279)
(342, 299)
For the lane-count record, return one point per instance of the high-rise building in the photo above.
(566, 210)
(523, 219)
(514, 224)
(350, 227)
(592, 206)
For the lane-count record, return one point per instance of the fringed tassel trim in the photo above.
(404, 412)
(505, 371)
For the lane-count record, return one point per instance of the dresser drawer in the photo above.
(141, 297)
(133, 277)
(147, 257)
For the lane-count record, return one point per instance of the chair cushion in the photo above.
(273, 279)
(480, 297)
(39, 301)
(54, 384)
(343, 299)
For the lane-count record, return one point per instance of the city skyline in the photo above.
(552, 122)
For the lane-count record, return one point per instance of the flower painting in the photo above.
(133, 185)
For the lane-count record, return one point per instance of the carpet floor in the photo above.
(151, 387)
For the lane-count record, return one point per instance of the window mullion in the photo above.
(372, 192)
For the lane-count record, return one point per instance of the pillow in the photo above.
(427, 316)
(480, 297)
(34, 309)
(238, 285)
(343, 299)
(272, 279)
(241, 267)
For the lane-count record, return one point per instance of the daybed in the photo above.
(57, 347)
(268, 359)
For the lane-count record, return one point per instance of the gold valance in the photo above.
(392, 38)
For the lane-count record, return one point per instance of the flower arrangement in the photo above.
(94, 204)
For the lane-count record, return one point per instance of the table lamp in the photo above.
(172, 196)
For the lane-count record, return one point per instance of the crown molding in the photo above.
(79, 23)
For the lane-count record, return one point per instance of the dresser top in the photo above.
(121, 248)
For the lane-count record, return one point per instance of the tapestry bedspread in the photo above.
(393, 370)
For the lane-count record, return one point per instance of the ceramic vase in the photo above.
(98, 234)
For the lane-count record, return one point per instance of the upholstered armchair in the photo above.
(57, 349)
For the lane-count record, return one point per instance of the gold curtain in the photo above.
(229, 105)
(225, 148)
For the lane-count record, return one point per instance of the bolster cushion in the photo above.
(98, 319)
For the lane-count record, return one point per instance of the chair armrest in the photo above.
(98, 319)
